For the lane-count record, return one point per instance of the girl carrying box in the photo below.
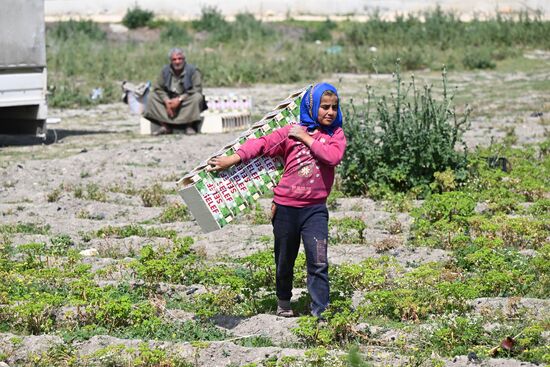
(310, 152)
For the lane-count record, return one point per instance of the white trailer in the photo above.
(23, 108)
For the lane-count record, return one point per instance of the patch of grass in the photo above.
(332, 202)
(27, 228)
(134, 230)
(175, 213)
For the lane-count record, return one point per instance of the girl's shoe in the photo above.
(284, 313)
(284, 309)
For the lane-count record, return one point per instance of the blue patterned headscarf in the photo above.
(309, 108)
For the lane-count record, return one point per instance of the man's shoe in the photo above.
(163, 131)
(189, 131)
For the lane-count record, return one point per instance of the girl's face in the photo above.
(328, 110)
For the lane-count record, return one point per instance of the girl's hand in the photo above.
(299, 133)
(221, 163)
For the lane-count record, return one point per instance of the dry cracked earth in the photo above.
(100, 149)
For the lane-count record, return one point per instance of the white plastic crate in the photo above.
(225, 122)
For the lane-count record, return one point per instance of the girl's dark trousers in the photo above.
(311, 224)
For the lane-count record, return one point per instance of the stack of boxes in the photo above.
(226, 113)
(216, 198)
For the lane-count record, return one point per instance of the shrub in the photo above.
(404, 144)
(136, 17)
(478, 58)
(211, 20)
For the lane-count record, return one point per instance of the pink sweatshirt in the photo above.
(309, 172)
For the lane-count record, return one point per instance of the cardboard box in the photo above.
(207, 206)
(216, 198)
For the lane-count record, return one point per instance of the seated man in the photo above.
(176, 97)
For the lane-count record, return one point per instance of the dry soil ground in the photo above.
(101, 147)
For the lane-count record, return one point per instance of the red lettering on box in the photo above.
(218, 198)
(209, 201)
(210, 186)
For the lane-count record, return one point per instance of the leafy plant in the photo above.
(134, 230)
(404, 144)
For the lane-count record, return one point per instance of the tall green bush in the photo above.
(400, 146)
(137, 17)
(211, 20)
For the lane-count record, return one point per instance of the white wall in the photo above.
(110, 10)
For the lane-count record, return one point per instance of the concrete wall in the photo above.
(109, 10)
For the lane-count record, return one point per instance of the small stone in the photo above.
(89, 252)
